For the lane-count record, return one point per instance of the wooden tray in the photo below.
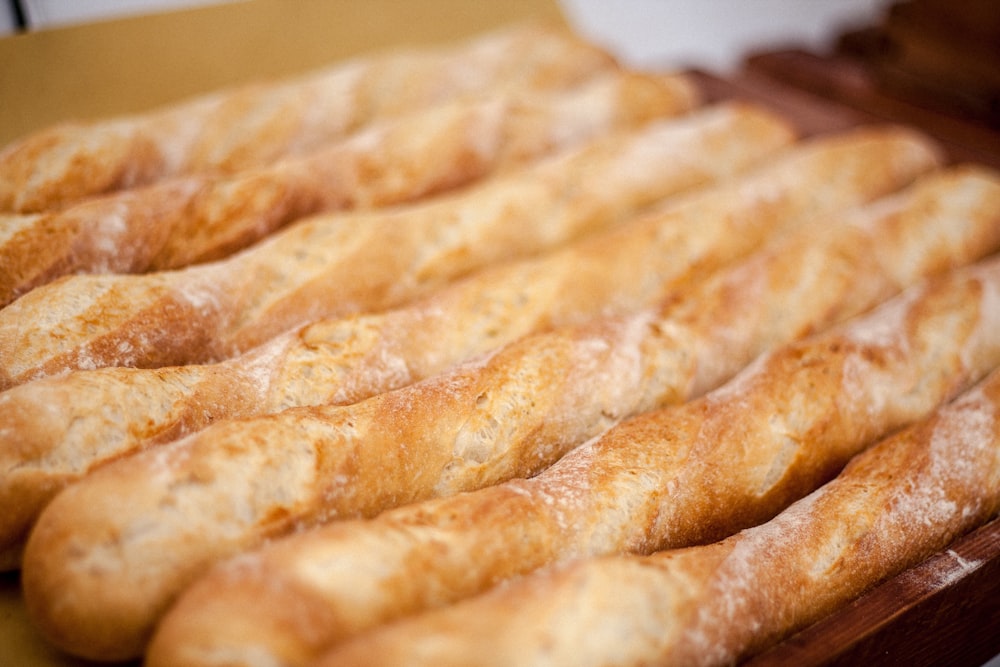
(946, 611)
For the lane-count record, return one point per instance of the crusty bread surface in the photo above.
(894, 505)
(207, 216)
(56, 429)
(490, 352)
(253, 125)
(336, 264)
(508, 414)
(685, 475)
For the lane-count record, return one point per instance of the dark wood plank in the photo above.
(809, 113)
(846, 82)
(945, 611)
(941, 53)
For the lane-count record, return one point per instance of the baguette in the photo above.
(685, 475)
(337, 264)
(99, 572)
(55, 430)
(253, 125)
(893, 506)
(204, 217)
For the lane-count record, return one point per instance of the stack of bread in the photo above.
(492, 353)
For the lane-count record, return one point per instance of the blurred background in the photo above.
(710, 34)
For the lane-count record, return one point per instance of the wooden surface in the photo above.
(945, 611)
(824, 94)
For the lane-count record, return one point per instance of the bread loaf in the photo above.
(203, 217)
(99, 572)
(338, 264)
(894, 505)
(56, 429)
(682, 476)
(256, 124)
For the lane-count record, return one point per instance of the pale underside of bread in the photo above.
(56, 429)
(254, 125)
(895, 504)
(97, 574)
(682, 476)
(207, 216)
(341, 263)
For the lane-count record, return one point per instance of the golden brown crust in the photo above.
(901, 501)
(347, 360)
(253, 125)
(51, 426)
(509, 414)
(542, 314)
(205, 217)
(338, 264)
(671, 478)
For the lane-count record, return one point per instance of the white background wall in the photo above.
(714, 34)
(710, 34)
